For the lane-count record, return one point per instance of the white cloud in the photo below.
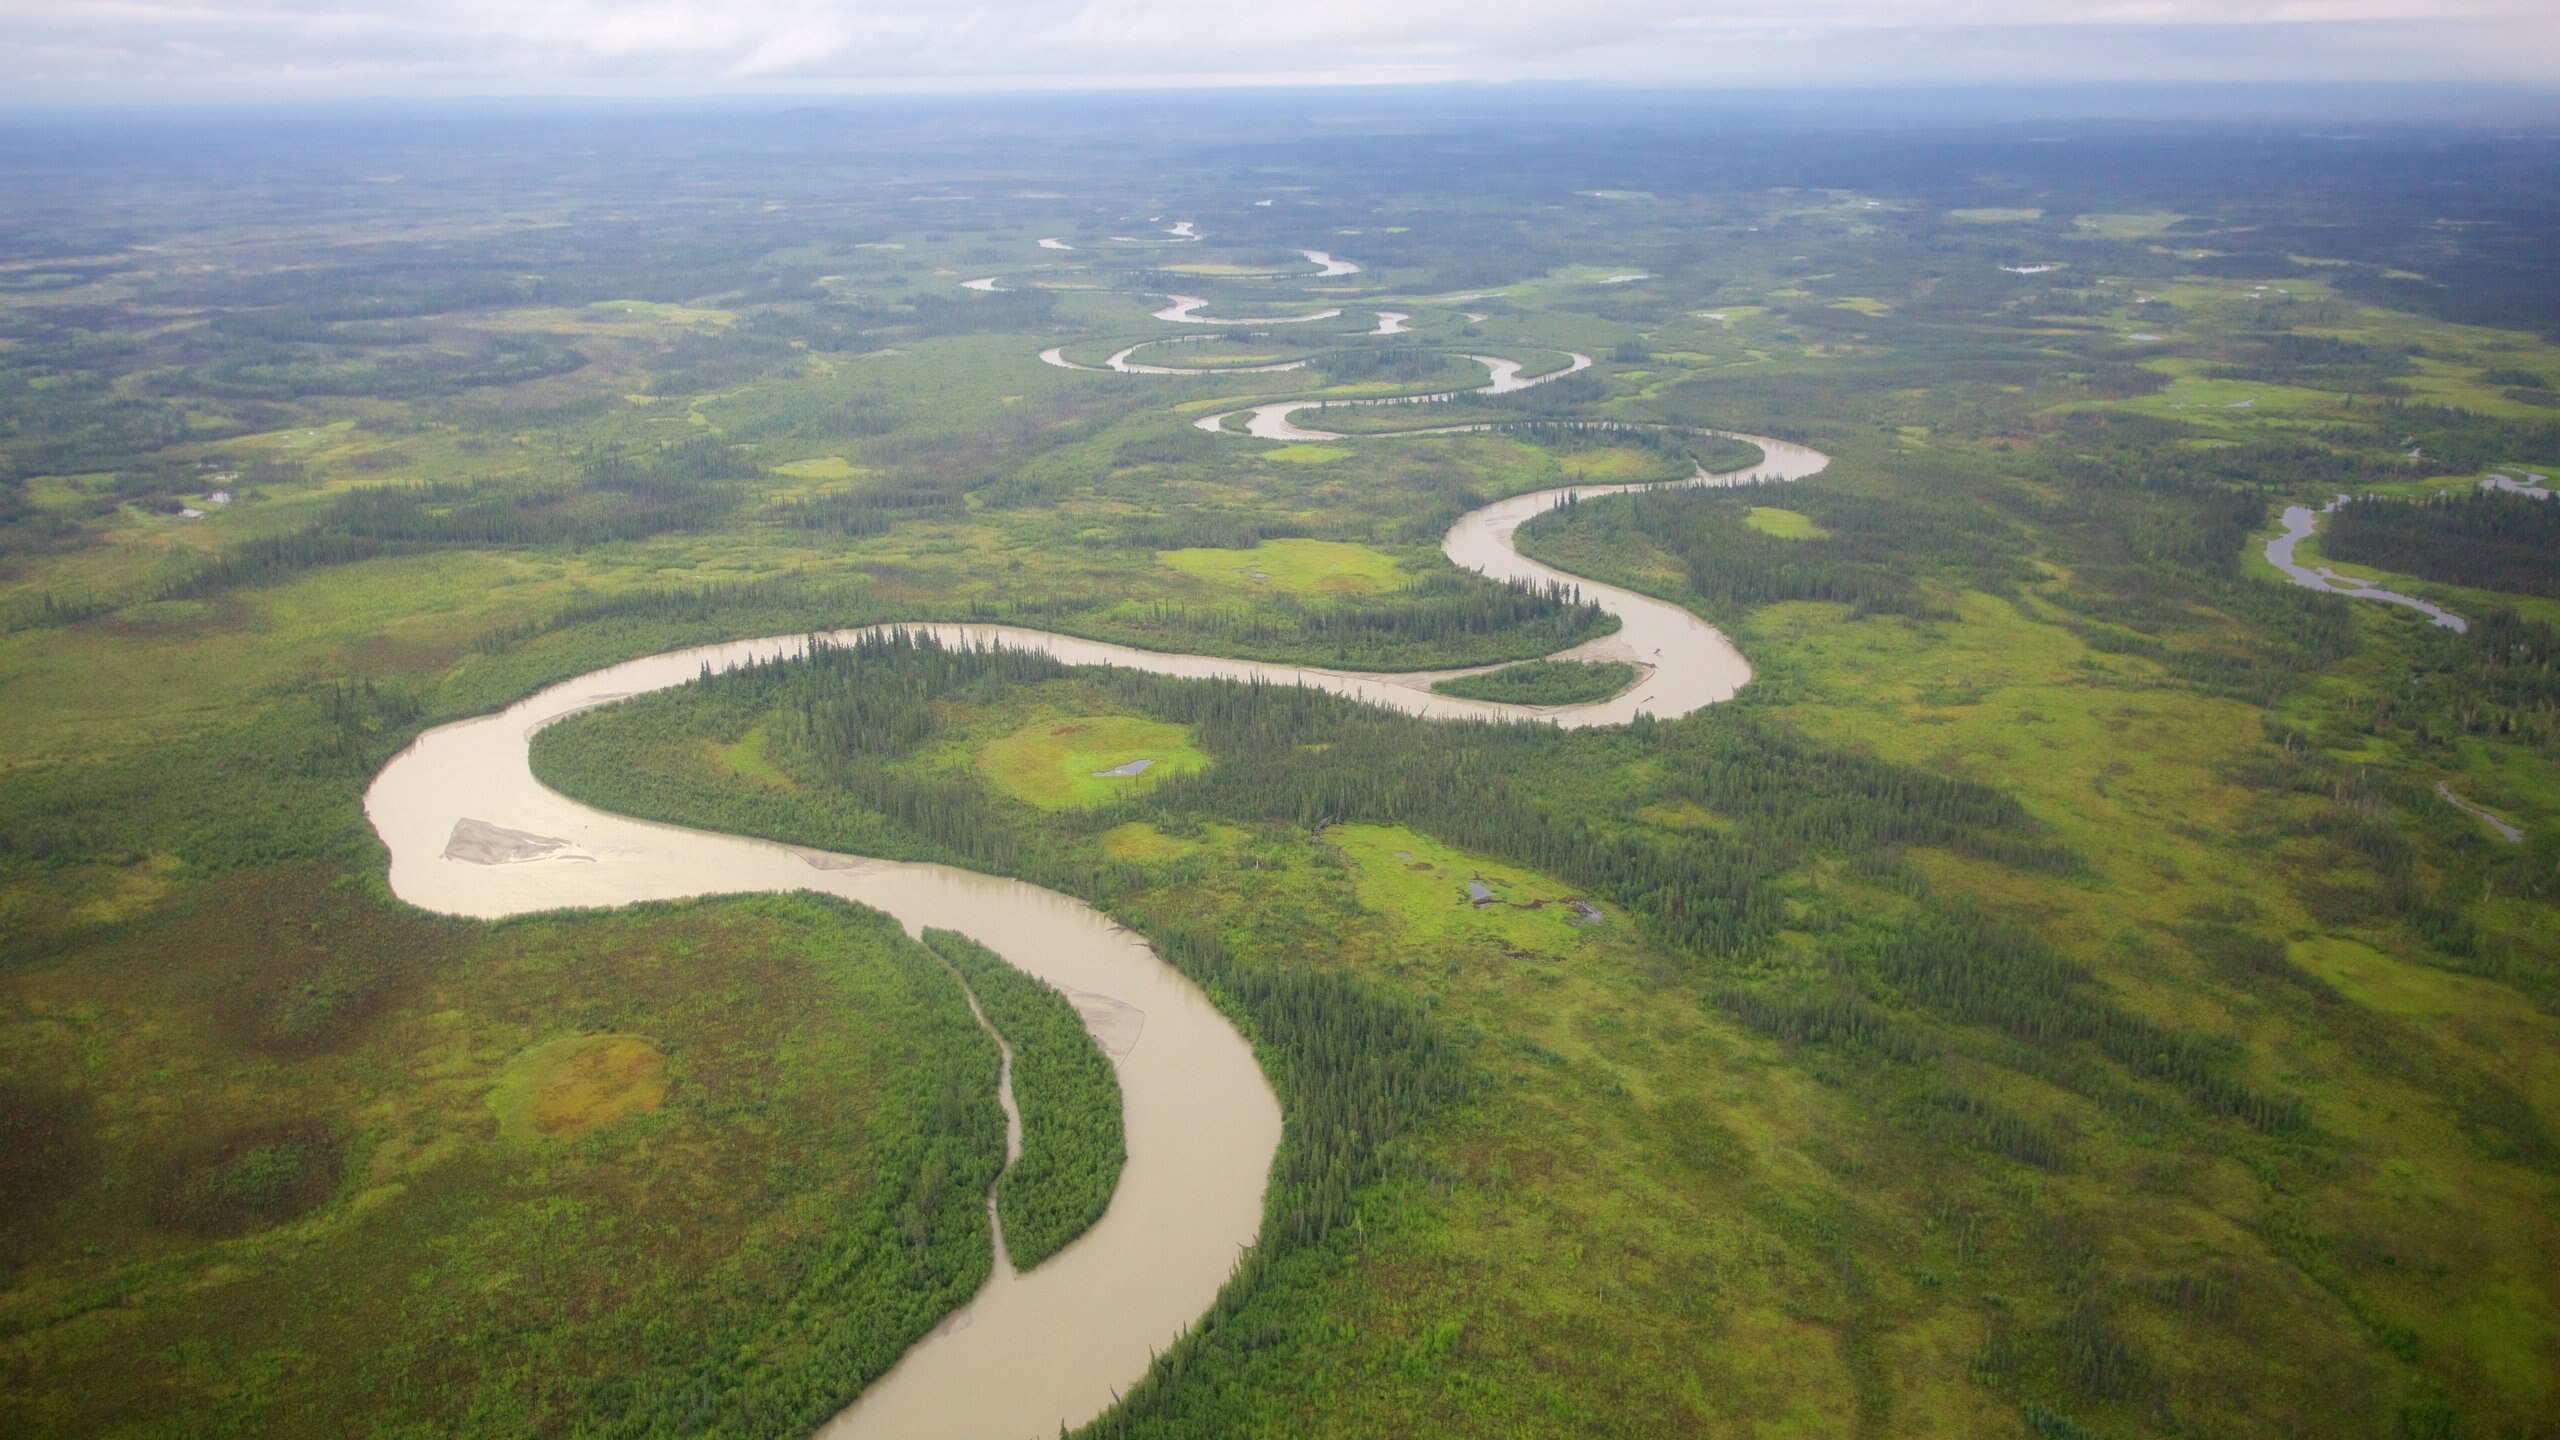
(94, 49)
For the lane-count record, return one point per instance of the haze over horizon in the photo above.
(72, 52)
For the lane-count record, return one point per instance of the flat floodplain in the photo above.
(2046, 969)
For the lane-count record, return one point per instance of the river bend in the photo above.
(471, 832)
(2299, 522)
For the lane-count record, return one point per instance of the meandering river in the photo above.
(471, 832)
(1185, 310)
(1272, 422)
(2299, 522)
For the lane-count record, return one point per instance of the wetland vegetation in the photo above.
(2055, 997)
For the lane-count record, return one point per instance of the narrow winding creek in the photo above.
(471, 832)
(2299, 522)
(1272, 422)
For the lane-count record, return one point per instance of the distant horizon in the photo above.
(2503, 104)
(65, 52)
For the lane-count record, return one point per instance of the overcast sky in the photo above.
(116, 50)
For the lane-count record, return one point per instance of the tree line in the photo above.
(1073, 1147)
(617, 496)
(911, 1248)
(1293, 756)
(2486, 540)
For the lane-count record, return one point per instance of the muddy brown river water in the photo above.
(471, 832)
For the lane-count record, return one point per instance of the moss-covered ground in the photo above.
(302, 1162)
(1087, 759)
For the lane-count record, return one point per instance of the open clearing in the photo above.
(569, 1087)
(1785, 524)
(1057, 763)
(1299, 567)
